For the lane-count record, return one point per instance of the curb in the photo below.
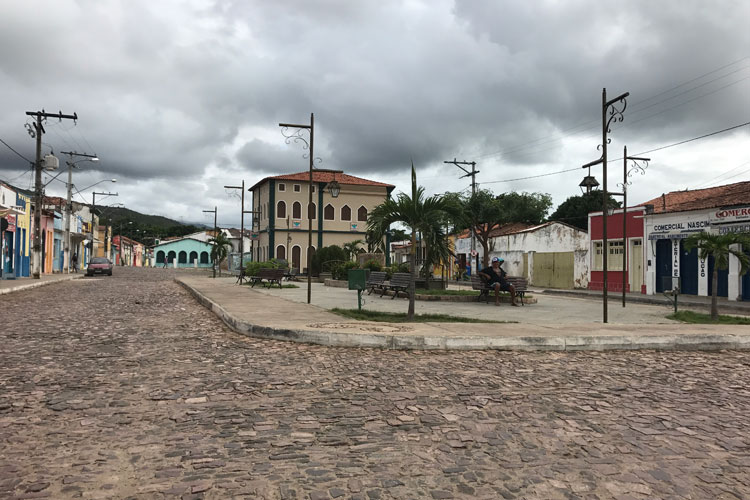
(37, 284)
(657, 301)
(698, 342)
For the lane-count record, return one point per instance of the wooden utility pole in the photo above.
(473, 175)
(38, 197)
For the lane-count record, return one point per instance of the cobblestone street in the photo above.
(125, 387)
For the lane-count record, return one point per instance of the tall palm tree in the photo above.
(719, 246)
(219, 250)
(420, 214)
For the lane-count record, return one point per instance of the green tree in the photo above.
(480, 213)
(530, 208)
(575, 210)
(219, 250)
(719, 246)
(420, 214)
(326, 257)
(352, 248)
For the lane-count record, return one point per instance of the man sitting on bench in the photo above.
(495, 277)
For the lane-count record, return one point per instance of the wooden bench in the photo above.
(399, 283)
(376, 280)
(520, 283)
(268, 276)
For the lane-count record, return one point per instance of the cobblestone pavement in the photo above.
(124, 387)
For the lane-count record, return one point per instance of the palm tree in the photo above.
(420, 214)
(719, 246)
(352, 248)
(219, 250)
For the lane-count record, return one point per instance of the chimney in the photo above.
(664, 202)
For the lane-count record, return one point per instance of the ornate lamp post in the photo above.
(296, 135)
(615, 112)
(635, 168)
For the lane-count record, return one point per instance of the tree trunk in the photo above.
(413, 269)
(714, 291)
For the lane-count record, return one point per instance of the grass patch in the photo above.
(424, 291)
(367, 315)
(701, 318)
(285, 285)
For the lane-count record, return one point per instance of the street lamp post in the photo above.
(69, 206)
(215, 235)
(95, 229)
(615, 115)
(242, 219)
(296, 136)
(637, 167)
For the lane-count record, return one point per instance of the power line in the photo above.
(616, 159)
(716, 179)
(19, 154)
(634, 108)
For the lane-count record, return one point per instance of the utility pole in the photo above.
(37, 133)
(473, 175)
(215, 235)
(69, 206)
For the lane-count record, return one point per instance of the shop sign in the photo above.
(675, 259)
(729, 215)
(735, 228)
(11, 218)
(678, 230)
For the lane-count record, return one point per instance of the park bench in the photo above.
(268, 277)
(520, 283)
(291, 274)
(376, 280)
(399, 283)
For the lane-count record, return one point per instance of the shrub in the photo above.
(324, 259)
(340, 270)
(252, 268)
(372, 265)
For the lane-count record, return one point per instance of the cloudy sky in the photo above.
(179, 98)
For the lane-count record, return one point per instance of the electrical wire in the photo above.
(19, 154)
(616, 159)
(634, 109)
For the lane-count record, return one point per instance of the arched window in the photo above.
(193, 257)
(362, 214)
(311, 209)
(281, 252)
(281, 210)
(346, 213)
(171, 256)
(296, 210)
(160, 257)
(182, 259)
(204, 257)
(296, 251)
(328, 212)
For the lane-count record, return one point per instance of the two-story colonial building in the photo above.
(281, 219)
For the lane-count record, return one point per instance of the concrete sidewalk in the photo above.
(18, 284)
(271, 314)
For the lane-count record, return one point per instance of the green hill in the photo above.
(142, 227)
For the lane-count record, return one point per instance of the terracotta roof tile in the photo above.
(325, 176)
(699, 199)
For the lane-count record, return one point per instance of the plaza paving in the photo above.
(126, 387)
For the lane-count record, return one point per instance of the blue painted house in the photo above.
(192, 250)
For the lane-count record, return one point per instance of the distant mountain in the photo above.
(125, 215)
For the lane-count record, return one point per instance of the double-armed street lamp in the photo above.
(69, 206)
(615, 112)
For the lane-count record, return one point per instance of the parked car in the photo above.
(99, 265)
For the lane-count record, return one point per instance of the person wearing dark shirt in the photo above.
(495, 278)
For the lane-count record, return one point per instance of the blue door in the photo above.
(663, 264)
(723, 288)
(688, 270)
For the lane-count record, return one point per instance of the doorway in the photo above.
(636, 265)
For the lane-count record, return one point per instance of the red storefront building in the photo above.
(631, 248)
